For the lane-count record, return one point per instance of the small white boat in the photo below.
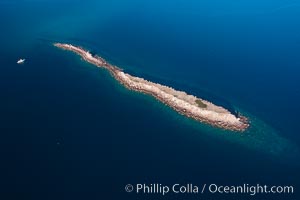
(21, 61)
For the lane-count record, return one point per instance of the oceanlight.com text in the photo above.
(189, 188)
(250, 189)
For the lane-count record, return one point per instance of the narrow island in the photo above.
(188, 105)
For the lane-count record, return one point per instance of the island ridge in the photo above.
(188, 105)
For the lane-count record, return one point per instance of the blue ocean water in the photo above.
(70, 131)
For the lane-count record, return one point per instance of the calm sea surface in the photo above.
(68, 130)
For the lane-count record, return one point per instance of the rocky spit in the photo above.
(178, 100)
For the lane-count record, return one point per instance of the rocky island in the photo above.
(188, 105)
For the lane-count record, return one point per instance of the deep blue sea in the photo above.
(69, 131)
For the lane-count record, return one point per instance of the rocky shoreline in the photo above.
(183, 103)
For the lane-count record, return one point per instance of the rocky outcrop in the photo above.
(180, 101)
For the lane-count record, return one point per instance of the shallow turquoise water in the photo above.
(69, 130)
